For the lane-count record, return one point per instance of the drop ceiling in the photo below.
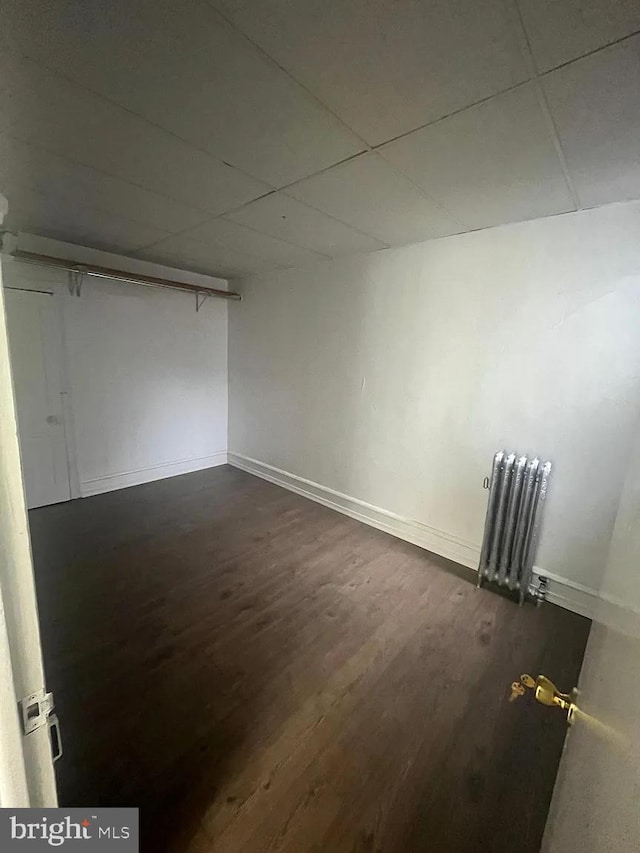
(238, 136)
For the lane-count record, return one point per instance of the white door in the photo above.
(596, 799)
(36, 365)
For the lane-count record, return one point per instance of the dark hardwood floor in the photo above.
(259, 673)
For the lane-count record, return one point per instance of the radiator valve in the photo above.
(539, 591)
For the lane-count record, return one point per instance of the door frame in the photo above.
(27, 776)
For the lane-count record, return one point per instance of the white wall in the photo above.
(147, 375)
(392, 378)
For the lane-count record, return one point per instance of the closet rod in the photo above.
(119, 275)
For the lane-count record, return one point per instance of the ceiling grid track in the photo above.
(542, 100)
(284, 70)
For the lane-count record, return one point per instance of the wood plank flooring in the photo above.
(259, 673)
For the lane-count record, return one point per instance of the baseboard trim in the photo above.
(412, 531)
(563, 592)
(138, 476)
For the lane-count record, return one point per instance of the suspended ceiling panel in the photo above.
(493, 163)
(35, 213)
(239, 247)
(27, 165)
(185, 253)
(180, 65)
(388, 67)
(372, 196)
(66, 119)
(9, 86)
(595, 103)
(562, 30)
(235, 136)
(287, 219)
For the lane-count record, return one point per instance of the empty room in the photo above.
(319, 425)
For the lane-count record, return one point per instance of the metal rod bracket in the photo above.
(76, 278)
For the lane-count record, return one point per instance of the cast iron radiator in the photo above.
(517, 489)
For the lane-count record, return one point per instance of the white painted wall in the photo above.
(146, 374)
(393, 377)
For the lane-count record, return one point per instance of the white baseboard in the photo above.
(124, 479)
(566, 593)
(426, 537)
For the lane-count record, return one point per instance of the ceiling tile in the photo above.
(10, 78)
(388, 66)
(7, 108)
(23, 166)
(595, 103)
(66, 119)
(490, 164)
(561, 31)
(370, 194)
(287, 219)
(261, 247)
(49, 217)
(179, 64)
(209, 258)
